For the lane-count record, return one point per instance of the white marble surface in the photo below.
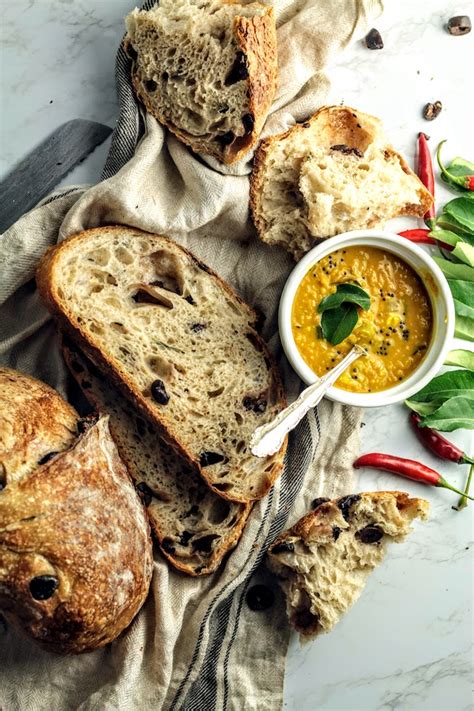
(407, 642)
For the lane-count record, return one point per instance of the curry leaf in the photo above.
(345, 293)
(445, 386)
(446, 236)
(462, 358)
(463, 309)
(462, 290)
(456, 413)
(338, 323)
(464, 327)
(462, 209)
(447, 222)
(455, 271)
(464, 252)
(461, 166)
(422, 408)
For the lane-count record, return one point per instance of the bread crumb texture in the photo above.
(323, 562)
(194, 526)
(180, 344)
(334, 173)
(206, 69)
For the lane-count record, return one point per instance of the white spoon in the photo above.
(268, 438)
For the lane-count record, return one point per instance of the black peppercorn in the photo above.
(374, 39)
(459, 25)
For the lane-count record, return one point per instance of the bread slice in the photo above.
(178, 342)
(194, 527)
(35, 424)
(323, 562)
(334, 173)
(206, 69)
(75, 547)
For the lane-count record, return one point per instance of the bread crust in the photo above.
(343, 118)
(256, 38)
(77, 519)
(322, 562)
(87, 378)
(35, 421)
(64, 318)
(305, 526)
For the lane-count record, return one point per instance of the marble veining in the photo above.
(406, 644)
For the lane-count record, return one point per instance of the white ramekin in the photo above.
(441, 303)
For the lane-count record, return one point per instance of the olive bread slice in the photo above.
(177, 341)
(206, 69)
(194, 527)
(324, 560)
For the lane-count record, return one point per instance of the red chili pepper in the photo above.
(464, 181)
(426, 175)
(423, 237)
(407, 468)
(438, 444)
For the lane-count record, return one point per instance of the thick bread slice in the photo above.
(334, 173)
(75, 547)
(195, 528)
(177, 341)
(35, 424)
(207, 70)
(323, 562)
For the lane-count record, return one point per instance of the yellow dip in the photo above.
(396, 330)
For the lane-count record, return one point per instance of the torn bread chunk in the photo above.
(323, 561)
(206, 69)
(334, 173)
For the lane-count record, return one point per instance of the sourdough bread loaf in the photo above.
(177, 341)
(323, 562)
(206, 69)
(194, 527)
(334, 173)
(35, 424)
(75, 547)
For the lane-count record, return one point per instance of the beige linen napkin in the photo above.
(196, 644)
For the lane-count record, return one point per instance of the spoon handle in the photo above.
(268, 438)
